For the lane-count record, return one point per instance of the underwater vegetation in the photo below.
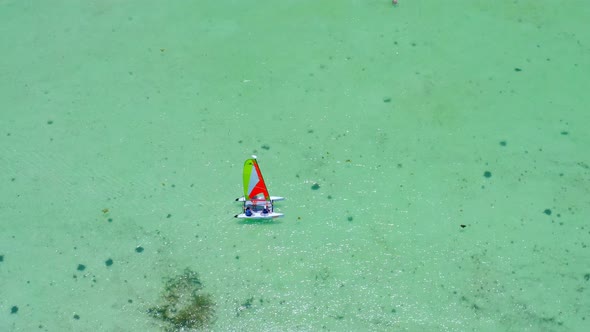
(183, 303)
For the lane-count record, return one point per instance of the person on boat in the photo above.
(248, 212)
(265, 210)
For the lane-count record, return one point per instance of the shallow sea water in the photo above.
(448, 141)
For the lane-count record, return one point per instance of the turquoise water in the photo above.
(449, 141)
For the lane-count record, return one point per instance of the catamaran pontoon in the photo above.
(257, 203)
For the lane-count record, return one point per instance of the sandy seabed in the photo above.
(434, 156)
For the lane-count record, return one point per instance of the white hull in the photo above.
(257, 207)
(260, 215)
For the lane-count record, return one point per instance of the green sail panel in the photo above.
(254, 186)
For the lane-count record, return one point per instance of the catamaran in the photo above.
(257, 203)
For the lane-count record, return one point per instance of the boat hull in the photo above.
(260, 215)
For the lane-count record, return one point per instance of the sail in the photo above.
(254, 186)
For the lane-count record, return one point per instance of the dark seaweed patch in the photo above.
(183, 304)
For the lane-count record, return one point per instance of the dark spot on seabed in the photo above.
(587, 276)
(108, 262)
(503, 143)
(265, 147)
(248, 303)
(387, 100)
(487, 174)
(315, 186)
(139, 249)
(547, 212)
(350, 218)
(517, 69)
(1, 258)
(76, 316)
(81, 267)
(14, 309)
(463, 226)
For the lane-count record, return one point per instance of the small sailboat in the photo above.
(257, 203)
